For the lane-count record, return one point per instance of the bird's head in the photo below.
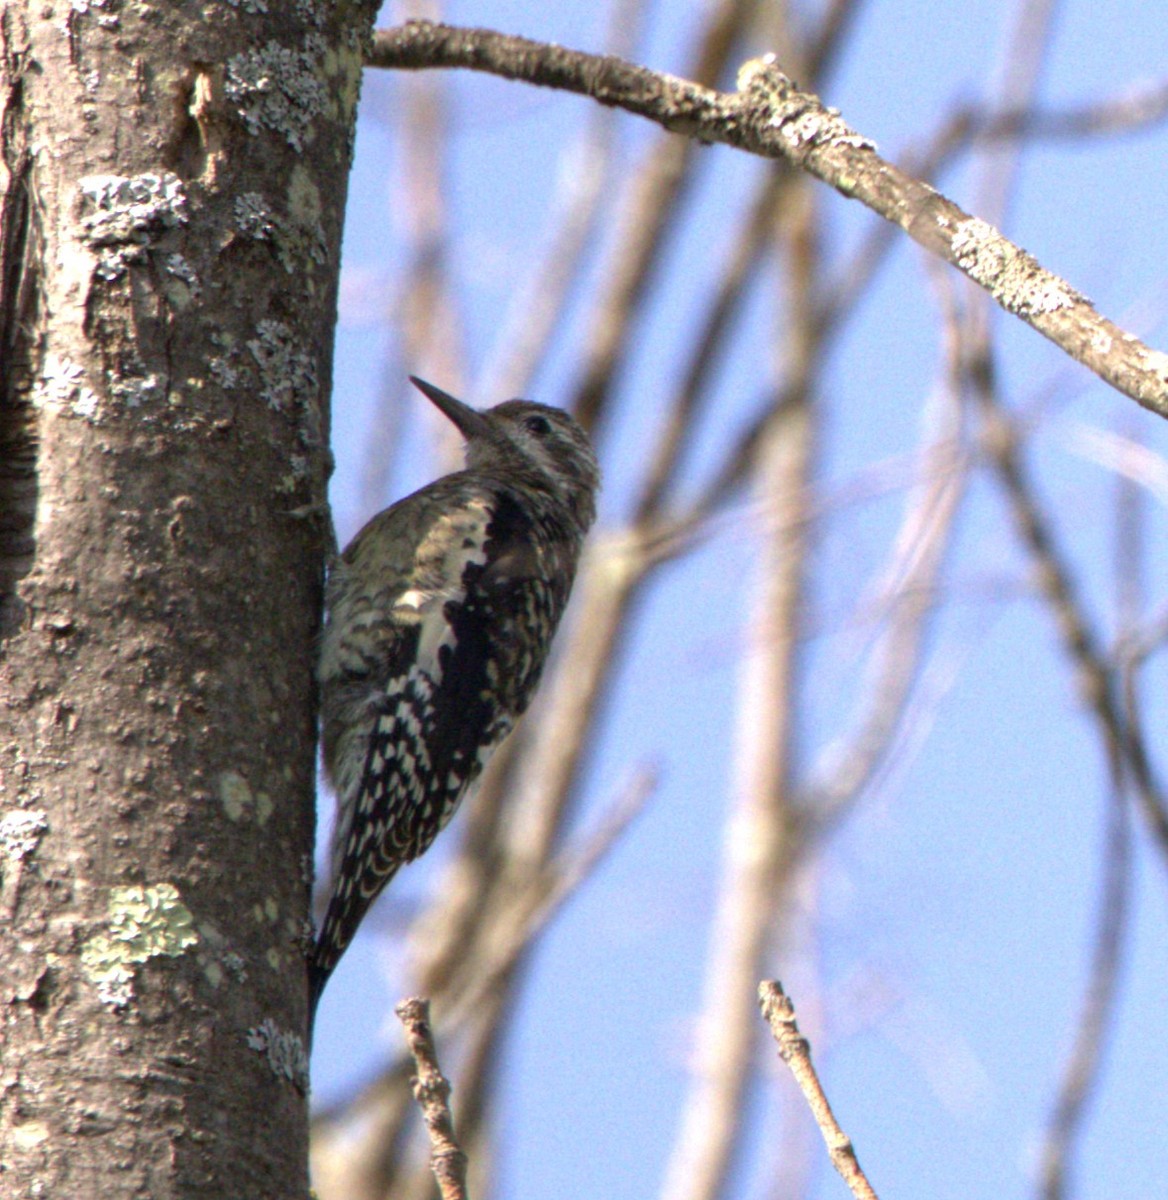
(540, 444)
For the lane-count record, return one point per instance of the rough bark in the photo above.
(172, 180)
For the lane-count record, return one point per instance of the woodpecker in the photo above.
(440, 613)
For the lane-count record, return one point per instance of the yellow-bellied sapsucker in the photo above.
(440, 613)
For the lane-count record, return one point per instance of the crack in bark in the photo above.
(19, 239)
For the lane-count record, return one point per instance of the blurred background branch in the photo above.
(809, 713)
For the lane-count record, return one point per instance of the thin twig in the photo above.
(762, 839)
(432, 1092)
(771, 117)
(1083, 1069)
(779, 1014)
(423, 313)
(515, 928)
(708, 342)
(586, 191)
(1097, 677)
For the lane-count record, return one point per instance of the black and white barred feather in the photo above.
(440, 615)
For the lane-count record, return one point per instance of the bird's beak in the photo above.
(470, 422)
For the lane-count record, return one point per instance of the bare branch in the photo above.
(1129, 112)
(1097, 678)
(909, 594)
(771, 117)
(432, 1092)
(587, 187)
(779, 1014)
(1081, 1074)
(763, 837)
(680, 422)
(1082, 1070)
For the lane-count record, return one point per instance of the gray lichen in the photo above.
(1014, 278)
(144, 923)
(799, 117)
(235, 965)
(106, 20)
(278, 88)
(121, 208)
(254, 217)
(135, 390)
(178, 266)
(287, 371)
(62, 383)
(121, 216)
(285, 1052)
(216, 958)
(20, 832)
(222, 372)
(311, 12)
(292, 237)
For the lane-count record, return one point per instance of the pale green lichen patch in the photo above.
(20, 832)
(351, 62)
(144, 923)
(304, 216)
(304, 206)
(290, 483)
(235, 795)
(285, 1052)
(218, 962)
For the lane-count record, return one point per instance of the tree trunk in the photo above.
(173, 179)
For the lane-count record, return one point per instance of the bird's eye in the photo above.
(540, 426)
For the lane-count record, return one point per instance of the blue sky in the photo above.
(951, 916)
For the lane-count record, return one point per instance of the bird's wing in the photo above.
(438, 647)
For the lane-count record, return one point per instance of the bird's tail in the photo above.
(348, 904)
(318, 976)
